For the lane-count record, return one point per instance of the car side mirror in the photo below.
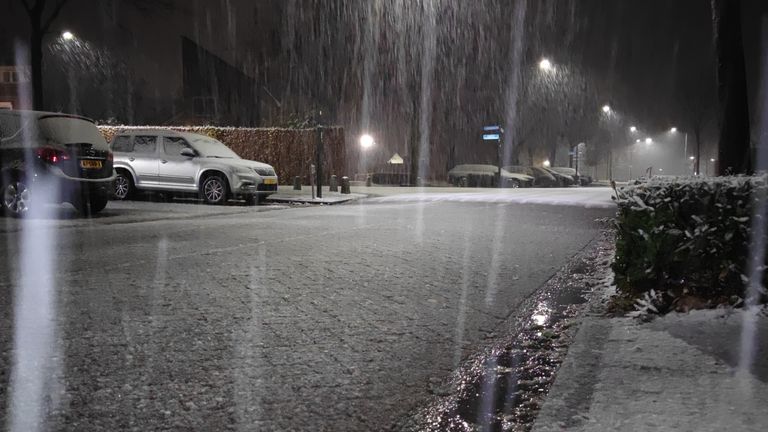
(188, 152)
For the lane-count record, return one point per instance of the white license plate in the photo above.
(90, 164)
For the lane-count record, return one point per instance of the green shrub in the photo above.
(687, 236)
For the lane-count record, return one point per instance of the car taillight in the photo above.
(52, 155)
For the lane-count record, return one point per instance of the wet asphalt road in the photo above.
(310, 318)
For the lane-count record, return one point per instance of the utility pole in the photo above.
(319, 157)
(495, 133)
(319, 162)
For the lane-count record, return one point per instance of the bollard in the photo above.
(297, 183)
(368, 181)
(345, 185)
(334, 184)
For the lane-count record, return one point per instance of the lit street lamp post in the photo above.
(673, 130)
(366, 142)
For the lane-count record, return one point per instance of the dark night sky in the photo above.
(642, 49)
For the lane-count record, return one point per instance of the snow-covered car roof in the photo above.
(481, 169)
(564, 170)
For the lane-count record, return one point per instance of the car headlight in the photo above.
(264, 171)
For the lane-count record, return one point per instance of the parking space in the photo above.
(133, 211)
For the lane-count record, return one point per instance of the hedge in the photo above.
(688, 237)
(290, 151)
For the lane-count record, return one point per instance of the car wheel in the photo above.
(92, 204)
(513, 184)
(214, 190)
(463, 182)
(123, 185)
(16, 197)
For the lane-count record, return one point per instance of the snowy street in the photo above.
(185, 316)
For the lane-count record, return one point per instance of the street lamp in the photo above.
(545, 65)
(366, 141)
(67, 35)
(712, 160)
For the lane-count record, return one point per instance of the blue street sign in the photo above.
(491, 137)
(491, 128)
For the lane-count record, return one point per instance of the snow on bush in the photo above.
(688, 238)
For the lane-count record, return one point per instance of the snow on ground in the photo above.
(581, 197)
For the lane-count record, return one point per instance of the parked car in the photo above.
(562, 179)
(475, 175)
(52, 157)
(541, 177)
(570, 172)
(170, 161)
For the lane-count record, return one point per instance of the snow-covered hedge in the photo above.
(290, 151)
(687, 237)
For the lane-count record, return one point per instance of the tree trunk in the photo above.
(36, 64)
(414, 153)
(734, 151)
(697, 133)
(553, 154)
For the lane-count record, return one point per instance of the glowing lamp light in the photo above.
(366, 141)
(632, 129)
(545, 65)
(546, 163)
(673, 130)
(67, 35)
(606, 109)
(648, 141)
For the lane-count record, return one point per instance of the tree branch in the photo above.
(54, 14)
(27, 6)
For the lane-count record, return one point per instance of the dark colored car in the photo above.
(570, 172)
(541, 177)
(563, 180)
(480, 175)
(52, 157)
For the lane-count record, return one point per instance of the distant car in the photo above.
(562, 179)
(476, 175)
(166, 160)
(52, 157)
(571, 172)
(541, 177)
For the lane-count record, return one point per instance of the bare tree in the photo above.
(697, 104)
(41, 14)
(734, 152)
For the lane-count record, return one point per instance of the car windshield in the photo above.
(208, 147)
(399, 215)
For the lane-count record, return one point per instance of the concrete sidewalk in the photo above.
(578, 196)
(286, 195)
(677, 373)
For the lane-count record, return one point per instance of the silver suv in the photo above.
(166, 160)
